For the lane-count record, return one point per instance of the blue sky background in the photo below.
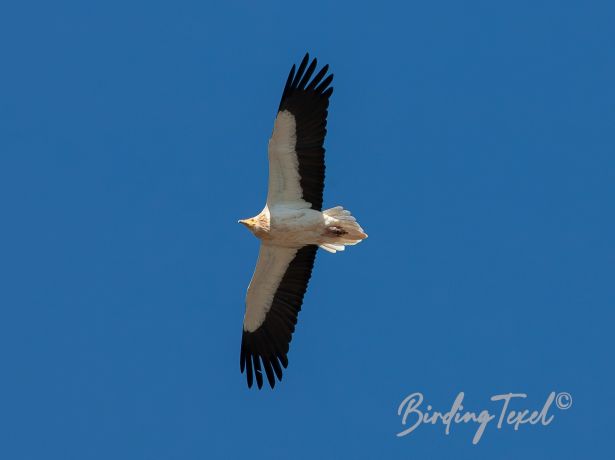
(473, 140)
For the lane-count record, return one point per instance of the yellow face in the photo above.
(258, 225)
(250, 223)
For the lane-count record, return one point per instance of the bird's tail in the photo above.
(341, 229)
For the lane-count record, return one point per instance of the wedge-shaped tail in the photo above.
(342, 229)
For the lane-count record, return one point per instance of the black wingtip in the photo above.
(324, 84)
(258, 373)
(300, 70)
(302, 80)
(265, 350)
(249, 374)
(307, 75)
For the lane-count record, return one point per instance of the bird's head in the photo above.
(249, 223)
(258, 225)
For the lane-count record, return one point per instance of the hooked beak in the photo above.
(245, 222)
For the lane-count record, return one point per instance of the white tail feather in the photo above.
(342, 229)
(332, 248)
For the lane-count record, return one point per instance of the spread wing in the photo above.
(273, 302)
(296, 153)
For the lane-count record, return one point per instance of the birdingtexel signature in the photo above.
(413, 413)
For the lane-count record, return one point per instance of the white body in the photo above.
(295, 225)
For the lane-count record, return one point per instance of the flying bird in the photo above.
(291, 227)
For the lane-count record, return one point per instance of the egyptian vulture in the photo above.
(291, 227)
